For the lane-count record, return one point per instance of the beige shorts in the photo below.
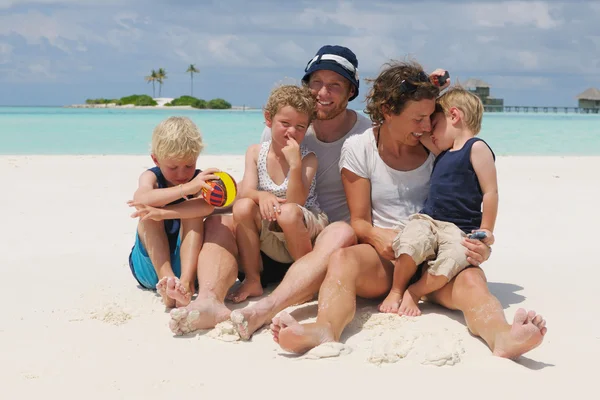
(272, 239)
(437, 242)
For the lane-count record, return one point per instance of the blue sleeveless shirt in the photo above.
(172, 226)
(455, 195)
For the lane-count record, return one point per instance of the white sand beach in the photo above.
(74, 323)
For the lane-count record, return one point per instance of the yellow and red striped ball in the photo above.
(224, 190)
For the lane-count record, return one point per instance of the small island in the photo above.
(145, 101)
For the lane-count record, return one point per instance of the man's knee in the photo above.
(218, 227)
(337, 235)
(342, 264)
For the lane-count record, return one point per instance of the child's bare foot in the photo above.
(178, 292)
(409, 305)
(161, 288)
(200, 314)
(248, 288)
(527, 333)
(391, 302)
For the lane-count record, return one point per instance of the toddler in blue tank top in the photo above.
(463, 178)
(158, 260)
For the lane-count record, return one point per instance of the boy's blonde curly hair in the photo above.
(467, 102)
(176, 138)
(299, 98)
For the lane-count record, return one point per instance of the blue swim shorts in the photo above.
(141, 266)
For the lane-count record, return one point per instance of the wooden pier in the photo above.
(545, 109)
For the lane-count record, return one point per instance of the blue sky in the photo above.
(64, 51)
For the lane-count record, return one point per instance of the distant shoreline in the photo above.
(159, 107)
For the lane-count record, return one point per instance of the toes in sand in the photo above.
(527, 333)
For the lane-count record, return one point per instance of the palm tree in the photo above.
(162, 75)
(153, 77)
(192, 70)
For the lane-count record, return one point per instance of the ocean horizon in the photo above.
(47, 130)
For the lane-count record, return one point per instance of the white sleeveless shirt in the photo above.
(395, 195)
(266, 184)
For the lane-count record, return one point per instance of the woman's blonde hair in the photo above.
(176, 138)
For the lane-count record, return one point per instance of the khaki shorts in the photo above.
(272, 239)
(437, 242)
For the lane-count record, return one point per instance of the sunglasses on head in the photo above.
(407, 86)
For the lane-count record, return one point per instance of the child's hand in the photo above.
(489, 236)
(144, 212)
(269, 206)
(291, 152)
(194, 186)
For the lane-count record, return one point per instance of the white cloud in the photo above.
(501, 14)
(514, 36)
(519, 82)
(4, 4)
(57, 30)
(528, 59)
(42, 71)
(5, 52)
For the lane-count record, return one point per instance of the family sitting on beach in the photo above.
(335, 203)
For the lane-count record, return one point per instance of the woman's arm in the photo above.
(358, 196)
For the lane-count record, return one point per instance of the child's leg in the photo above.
(416, 243)
(248, 223)
(427, 284)
(451, 259)
(404, 269)
(154, 239)
(297, 236)
(192, 237)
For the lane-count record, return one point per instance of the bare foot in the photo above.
(391, 302)
(409, 305)
(200, 314)
(161, 288)
(248, 288)
(527, 333)
(248, 320)
(298, 338)
(178, 292)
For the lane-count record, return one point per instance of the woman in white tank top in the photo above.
(385, 172)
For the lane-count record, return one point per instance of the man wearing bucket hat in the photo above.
(332, 75)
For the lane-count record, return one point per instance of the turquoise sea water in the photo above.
(55, 130)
